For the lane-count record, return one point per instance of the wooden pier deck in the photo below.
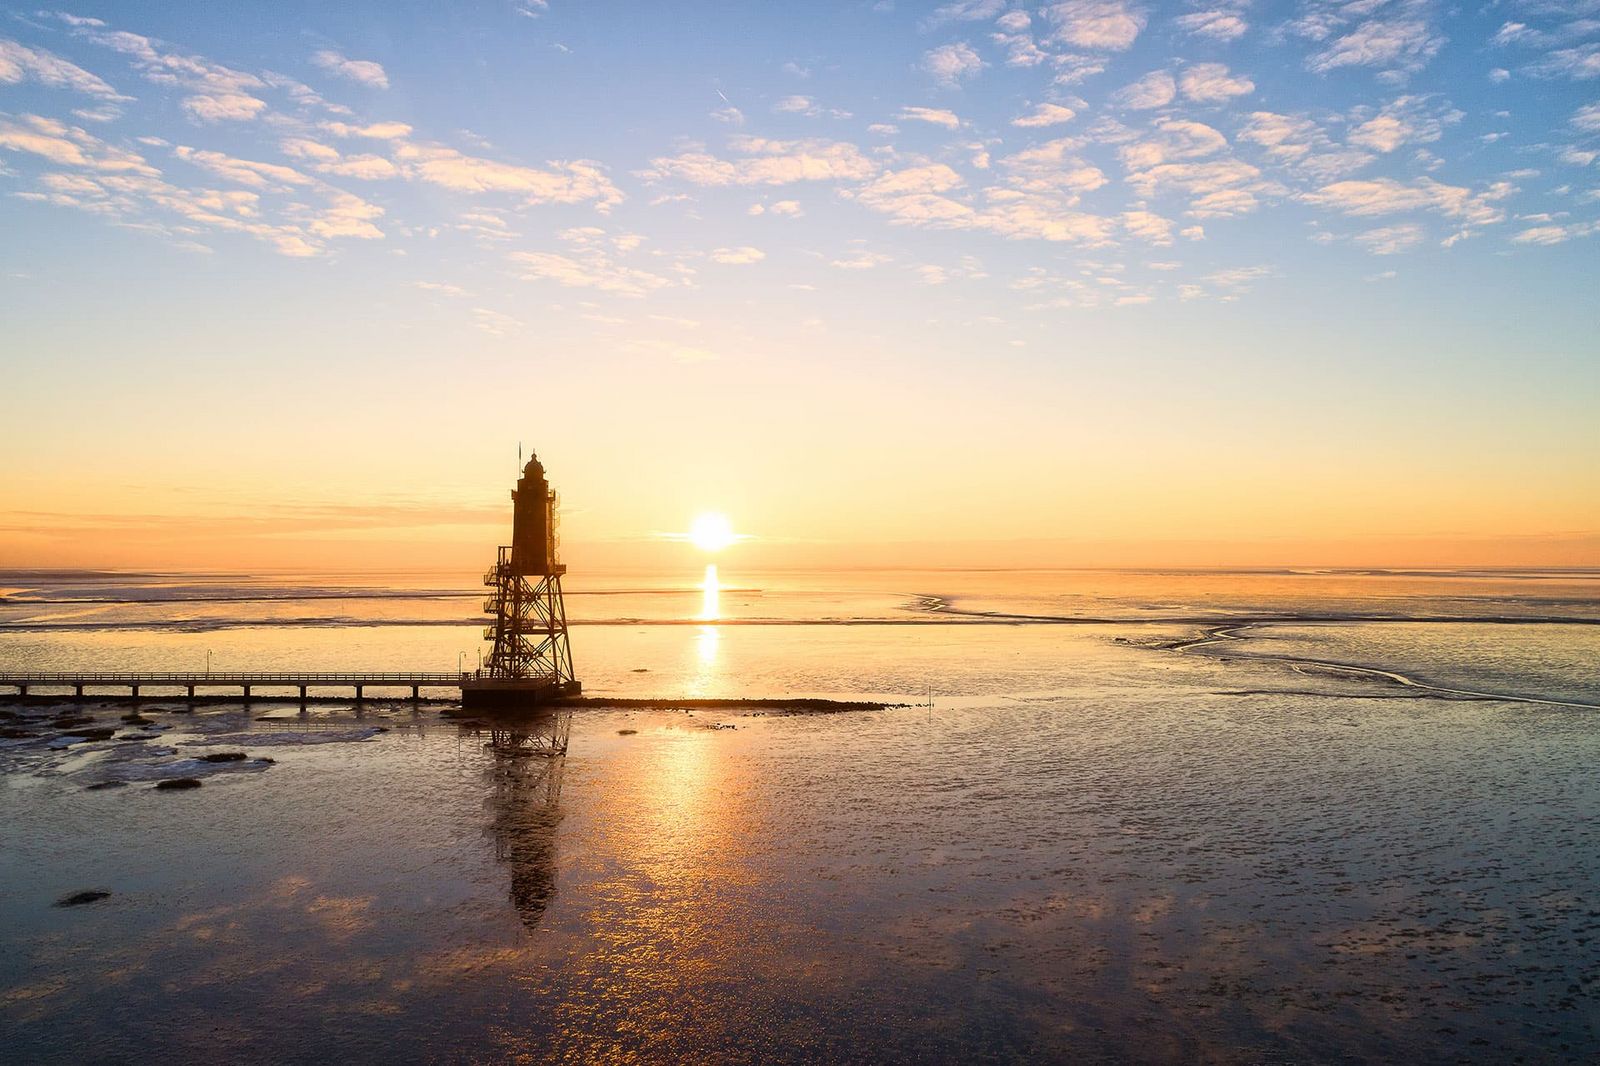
(191, 685)
(279, 686)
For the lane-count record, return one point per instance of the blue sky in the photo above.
(1364, 231)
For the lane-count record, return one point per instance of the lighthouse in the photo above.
(530, 660)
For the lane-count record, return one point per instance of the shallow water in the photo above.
(1091, 847)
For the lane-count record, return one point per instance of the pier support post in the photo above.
(247, 693)
(22, 690)
(78, 689)
(302, 695)
(358, 692)
(416, 693)
(135, 692)
(191, 692)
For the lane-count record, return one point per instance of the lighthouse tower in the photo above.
(530, 660)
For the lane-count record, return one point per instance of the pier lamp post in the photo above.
(460, 659)
(208, 662)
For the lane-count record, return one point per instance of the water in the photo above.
(1096, 844)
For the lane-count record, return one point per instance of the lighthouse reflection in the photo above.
(525, 760)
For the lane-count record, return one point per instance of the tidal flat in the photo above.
(1085, 842)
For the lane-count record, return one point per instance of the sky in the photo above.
(1085, 283)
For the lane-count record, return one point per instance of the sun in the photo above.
(711, 532)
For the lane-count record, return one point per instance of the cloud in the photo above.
(381, 131)
(1037, 203)
(933, 115)
(247, 172)
(968, 268)
(1107, 25)
(1193, 160)
(1522, 35)
(1148, 226)
(1398, 44)
(68, 146)
(1382, 196)
(347, 215)
(363, 71)
(1219, 25)
(1225, 285)
(495, 323)
(307, 149)
(1238, 278)
(964, 11)
(361, 167)
(580, 181)
(1298, 142)
(1587, 118)
(19, 63)
(589, 267)
(1578, 64)
(1053, 168)
(219, 93)
(224, 107)
(1547, 235)
(888, 191)
(1405, 120)
(950, 63)
(1156, 89)
(860, 261)
(1044, 115)
(740, 256)
(784, 208)
(1072, 68)
(730, 115)
(1172, 139)
(1391, 240)
(916, 194)
(766, 162)
(1207, 83)
(1216, 188)
(268, 208)
(795, 105)
(1287, 137)
(1021, 49)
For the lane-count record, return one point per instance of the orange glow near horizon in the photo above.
(1023, 502)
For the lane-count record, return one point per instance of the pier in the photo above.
(194, 685)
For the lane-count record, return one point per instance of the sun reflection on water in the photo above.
(710, 595)
(710, 636)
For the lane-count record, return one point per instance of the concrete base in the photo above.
(489, 694)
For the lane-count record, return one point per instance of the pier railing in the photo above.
(79, 680)
(216, 677)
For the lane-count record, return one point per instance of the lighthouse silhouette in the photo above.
(530, 660)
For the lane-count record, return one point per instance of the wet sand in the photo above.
(1096, 845)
